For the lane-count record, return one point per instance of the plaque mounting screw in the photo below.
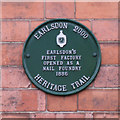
(94, 54)
(27, 55)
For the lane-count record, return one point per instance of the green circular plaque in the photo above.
(61, 57)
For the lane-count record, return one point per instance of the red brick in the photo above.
(41, 101)
(12, 54)
(60, 9)
(15, 31)
(0, 101)
(22, 10)
(96, 9)
(59, 103)
(98, 100)
(19, 100)
(91, 85)
(106, 115)
(0, 116)
(0, 55)
(88, 115)
(33, 86)
(70, 115)
(43, 115)
(58, 115)
(23, 100)
(86, 23)
(17, 78)
(16, 115)
(119, 54)
(109, 53)
(107, 77)
(105, 30)
(35, 24)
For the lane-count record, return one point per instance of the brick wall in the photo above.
(21, 99)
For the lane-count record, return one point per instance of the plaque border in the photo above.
(78, 89)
